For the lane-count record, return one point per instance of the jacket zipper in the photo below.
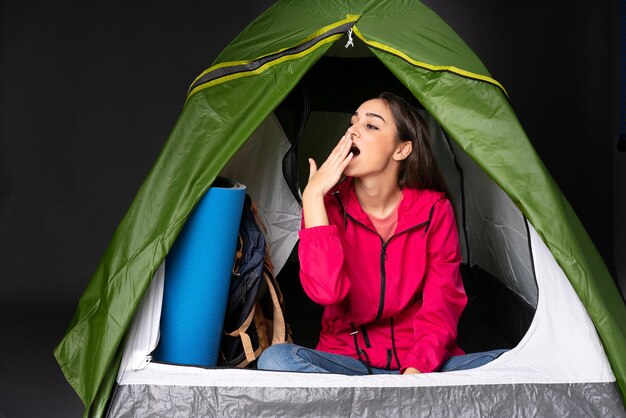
(383, 278)
(366, 338)
(383, 253)
(359, 351)
(393, 344)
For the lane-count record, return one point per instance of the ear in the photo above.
(403, 151)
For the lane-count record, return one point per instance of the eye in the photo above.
(370, 126)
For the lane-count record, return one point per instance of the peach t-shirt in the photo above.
(387, 226)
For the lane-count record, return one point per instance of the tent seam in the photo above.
(430, 67)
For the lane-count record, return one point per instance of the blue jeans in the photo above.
(294, 358)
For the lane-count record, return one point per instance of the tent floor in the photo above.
(494, 317)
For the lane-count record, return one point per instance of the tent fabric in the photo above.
(278, 210)
(220, 115)
(496, 232)
(143, 336)
(519, 400)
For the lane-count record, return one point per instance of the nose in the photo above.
(352, 132)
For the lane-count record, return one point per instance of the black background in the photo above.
(90, 92)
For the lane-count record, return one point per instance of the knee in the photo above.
(472, 360)
(276, 357)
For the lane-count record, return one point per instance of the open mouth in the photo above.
(355, 150)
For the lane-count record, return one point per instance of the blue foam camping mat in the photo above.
(197, 278)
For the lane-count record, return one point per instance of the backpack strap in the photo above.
(262, 325)
(240, 332)
(280, 329)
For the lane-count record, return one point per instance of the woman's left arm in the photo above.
(443, 298)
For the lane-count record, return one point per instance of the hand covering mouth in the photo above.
(355, 150)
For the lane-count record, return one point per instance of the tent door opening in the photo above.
(497, 270)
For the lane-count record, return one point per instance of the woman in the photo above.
(380, 251)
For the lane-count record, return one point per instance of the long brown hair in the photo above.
(419, 170)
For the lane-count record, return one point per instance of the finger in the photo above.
(341, 144)
(312, 167)
(341, 150)
(346, 161)
(336, 150)
(345, 151)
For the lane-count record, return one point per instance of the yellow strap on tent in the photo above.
(430, 67)
(320, 32)
(263, 67)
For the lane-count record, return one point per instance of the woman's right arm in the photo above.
(322, 180)
(320, 251)
(322, 271)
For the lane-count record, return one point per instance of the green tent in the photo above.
(258, 74)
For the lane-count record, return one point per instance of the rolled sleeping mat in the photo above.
(197, 278)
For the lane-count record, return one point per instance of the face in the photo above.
(375, 145)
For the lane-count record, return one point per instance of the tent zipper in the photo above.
(226, 70)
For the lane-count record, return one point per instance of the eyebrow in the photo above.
(371, 114)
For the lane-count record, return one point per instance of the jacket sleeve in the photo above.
(443, 298)
(321, 265)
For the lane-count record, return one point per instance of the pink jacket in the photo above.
(393, 304)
